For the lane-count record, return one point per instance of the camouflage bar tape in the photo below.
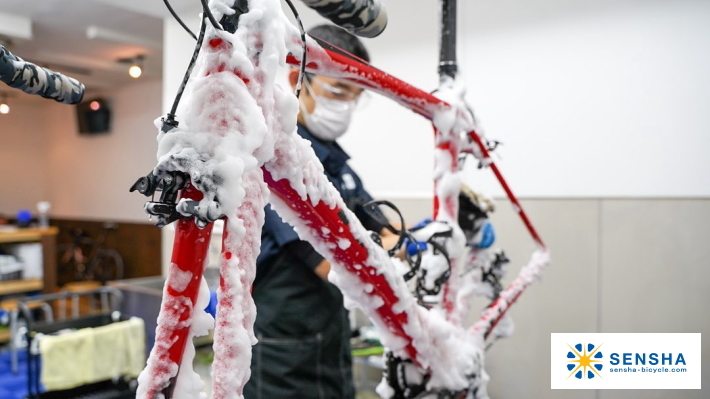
(33, 79)
(367, 18)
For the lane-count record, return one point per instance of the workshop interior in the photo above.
(354, 199)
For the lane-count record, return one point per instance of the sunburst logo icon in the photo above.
(584, 361)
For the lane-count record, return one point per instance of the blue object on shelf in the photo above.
(24, 217)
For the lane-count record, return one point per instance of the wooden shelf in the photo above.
(48, 238)
(4, 336)
(26, 235)
(20, 286)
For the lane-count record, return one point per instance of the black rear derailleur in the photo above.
(396, 376)
(170, 184)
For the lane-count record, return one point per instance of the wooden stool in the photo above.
(81, 286)
(86, 305)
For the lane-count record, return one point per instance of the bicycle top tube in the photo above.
(328, 60)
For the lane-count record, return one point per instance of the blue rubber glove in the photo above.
(412, 247)
(421, 224)
(212, 306)
(488, 236)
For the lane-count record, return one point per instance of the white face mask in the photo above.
(330, 118)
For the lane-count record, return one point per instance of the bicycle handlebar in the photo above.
(34, 79)
(366, 18)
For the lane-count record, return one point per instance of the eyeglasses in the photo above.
(335, 93)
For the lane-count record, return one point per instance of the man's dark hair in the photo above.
(339, 37)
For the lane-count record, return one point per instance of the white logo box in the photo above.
(628, 361)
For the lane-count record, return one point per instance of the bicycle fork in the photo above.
(233, 334)
(177, 307)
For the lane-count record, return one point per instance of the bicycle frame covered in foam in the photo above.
(236, 142)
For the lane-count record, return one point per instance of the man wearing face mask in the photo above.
(302, 327)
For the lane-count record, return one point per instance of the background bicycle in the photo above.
(88, 259)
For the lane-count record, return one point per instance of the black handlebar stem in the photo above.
(230, 22)
(447, 39)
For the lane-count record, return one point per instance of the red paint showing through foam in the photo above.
(323, 216)
(189, 252)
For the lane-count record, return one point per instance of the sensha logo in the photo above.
(585, 361)
(625, 361)
(638, 361)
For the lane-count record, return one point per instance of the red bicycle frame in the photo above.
(342, 240)
(360, 264)
(331, 61)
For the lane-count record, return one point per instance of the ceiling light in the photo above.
(135, 71)
(4, 108)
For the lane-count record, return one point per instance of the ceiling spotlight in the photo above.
(136, 69)
(4, 108)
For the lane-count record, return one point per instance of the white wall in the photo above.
(22, 141)
(43, 157)
(609, 102)
(600, 101)
(89, 176)
(178, 47)
(591, 98)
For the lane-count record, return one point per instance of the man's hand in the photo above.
(323, 269)
(389, 239)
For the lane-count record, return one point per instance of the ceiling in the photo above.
(59, 30)
(154, 8)
(59, 36)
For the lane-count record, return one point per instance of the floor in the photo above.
(14, 386)
(364, 378)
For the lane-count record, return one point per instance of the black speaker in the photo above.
(94, 116)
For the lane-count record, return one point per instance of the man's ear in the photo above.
(293, 77)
